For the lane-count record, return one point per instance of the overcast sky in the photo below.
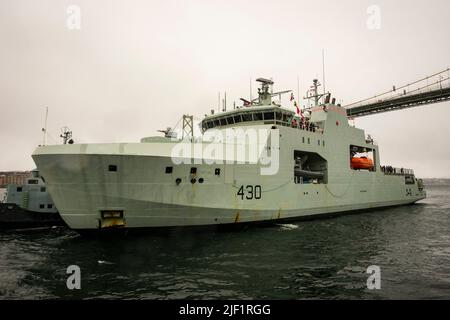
(136, 66)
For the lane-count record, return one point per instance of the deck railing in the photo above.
(389, 170)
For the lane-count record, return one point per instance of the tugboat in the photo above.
(260, 162)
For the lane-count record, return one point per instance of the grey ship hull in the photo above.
(14, 217)
(147, 200)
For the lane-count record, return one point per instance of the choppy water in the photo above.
(324, 259)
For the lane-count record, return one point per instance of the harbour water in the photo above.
(319, 259)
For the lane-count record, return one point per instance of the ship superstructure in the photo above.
(31, 196)
(28, 205)
(261, 162)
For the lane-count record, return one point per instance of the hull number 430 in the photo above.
(250, 192)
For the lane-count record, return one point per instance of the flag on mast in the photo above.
(292, 96)
(296, 106)
(299, 112)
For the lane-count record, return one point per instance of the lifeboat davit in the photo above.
(361, 163)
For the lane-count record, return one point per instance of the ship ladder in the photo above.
(25, 200)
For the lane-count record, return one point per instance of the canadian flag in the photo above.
(292, 96)
(299, 112)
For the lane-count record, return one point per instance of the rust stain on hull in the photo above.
(236, 219)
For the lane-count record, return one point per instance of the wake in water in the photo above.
(288, 226)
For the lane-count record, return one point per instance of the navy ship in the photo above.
(28, 205)
(300, 164)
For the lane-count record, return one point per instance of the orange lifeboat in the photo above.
(361, 163)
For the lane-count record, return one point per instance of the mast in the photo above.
(225, 102)
(323, 70)
(218, 104)
(315, 92)
(316, 85)
(251, 96)
(44, 129)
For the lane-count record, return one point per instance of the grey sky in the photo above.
(137, 66)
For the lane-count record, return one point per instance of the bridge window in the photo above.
(409, 179)
(247, 117)
(269, 116)
(257, 116)
(49, 206)
(237, 118)
(32, 181)
(230, 120)
(42, 206)
(223, 122)
(112, 168)
(19, 189)
(278, 115)
(169, 170)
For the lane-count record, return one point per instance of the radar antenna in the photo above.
(265, 93)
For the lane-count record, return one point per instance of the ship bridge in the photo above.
(259, 111)
(267, 115)
(247, 116)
